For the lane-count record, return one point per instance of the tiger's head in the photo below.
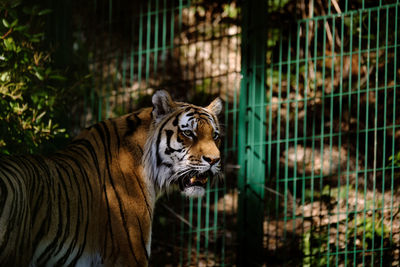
(183, 144)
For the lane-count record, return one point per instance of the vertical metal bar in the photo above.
(252, 133)
(296, 127)
(339, 141)
(384, 134)
(393, 120)
(140, 50)
(172, 26)
(148, 45)
(190, 232)
(358, 134)
(184, 207)
(329, 9)
(287, 129)
(156, 31)
(124, 87)
(328, 254)
(269, 88)
(305, 96)
(182, 233)
(375, 136)
(132, 59)
(278, 195)
(198, 229)
(348, 139)
(106, 94)
(269, 204)
(314, 61)
(207, 220)
(322, 125)
(215, 226)
(164, 38)
(366, 136)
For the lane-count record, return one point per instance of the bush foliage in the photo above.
(31, 88)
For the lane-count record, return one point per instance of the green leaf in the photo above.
(58, 77)
(21, 28)
(44, 12)
(14, 23)
(6, 24)
(40, 116)
(39, 75)
(9, 43)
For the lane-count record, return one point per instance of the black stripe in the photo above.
(49, 251)
(132, 123)
(159, 139)
(109, 226)
(176, 120)
(169, 150)
(79, 221)
(92, 151)
(80, 217)
(167, 164)
(68, 211)
(18, 215)
(83, 174)
(3, 195)
(142, 239)
(144, 196)
(7, 234)
(36, 186)
(52, 246)
(108, 159)
(113, 123)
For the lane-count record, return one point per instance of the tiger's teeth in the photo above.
(195, 179)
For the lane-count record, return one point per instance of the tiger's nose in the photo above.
(211, 161)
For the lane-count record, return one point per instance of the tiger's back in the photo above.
(71, 206)
(92, 203)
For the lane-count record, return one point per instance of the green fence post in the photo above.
(252, 134)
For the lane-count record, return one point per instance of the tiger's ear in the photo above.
(215, 106)
(162, 104)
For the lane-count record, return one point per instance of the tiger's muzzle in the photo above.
(194, 183)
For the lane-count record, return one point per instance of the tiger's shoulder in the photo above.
(128, 132)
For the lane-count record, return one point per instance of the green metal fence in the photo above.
(191, 49)
(314, 139)
(319, 134)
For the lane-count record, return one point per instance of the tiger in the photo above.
(92, 203)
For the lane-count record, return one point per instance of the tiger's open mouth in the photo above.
(194, 179)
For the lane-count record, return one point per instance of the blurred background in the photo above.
(311, 119)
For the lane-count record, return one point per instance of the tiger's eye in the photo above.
(188, 133)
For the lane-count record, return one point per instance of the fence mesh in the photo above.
(315, 134)
(191, 49)
(322, 89)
